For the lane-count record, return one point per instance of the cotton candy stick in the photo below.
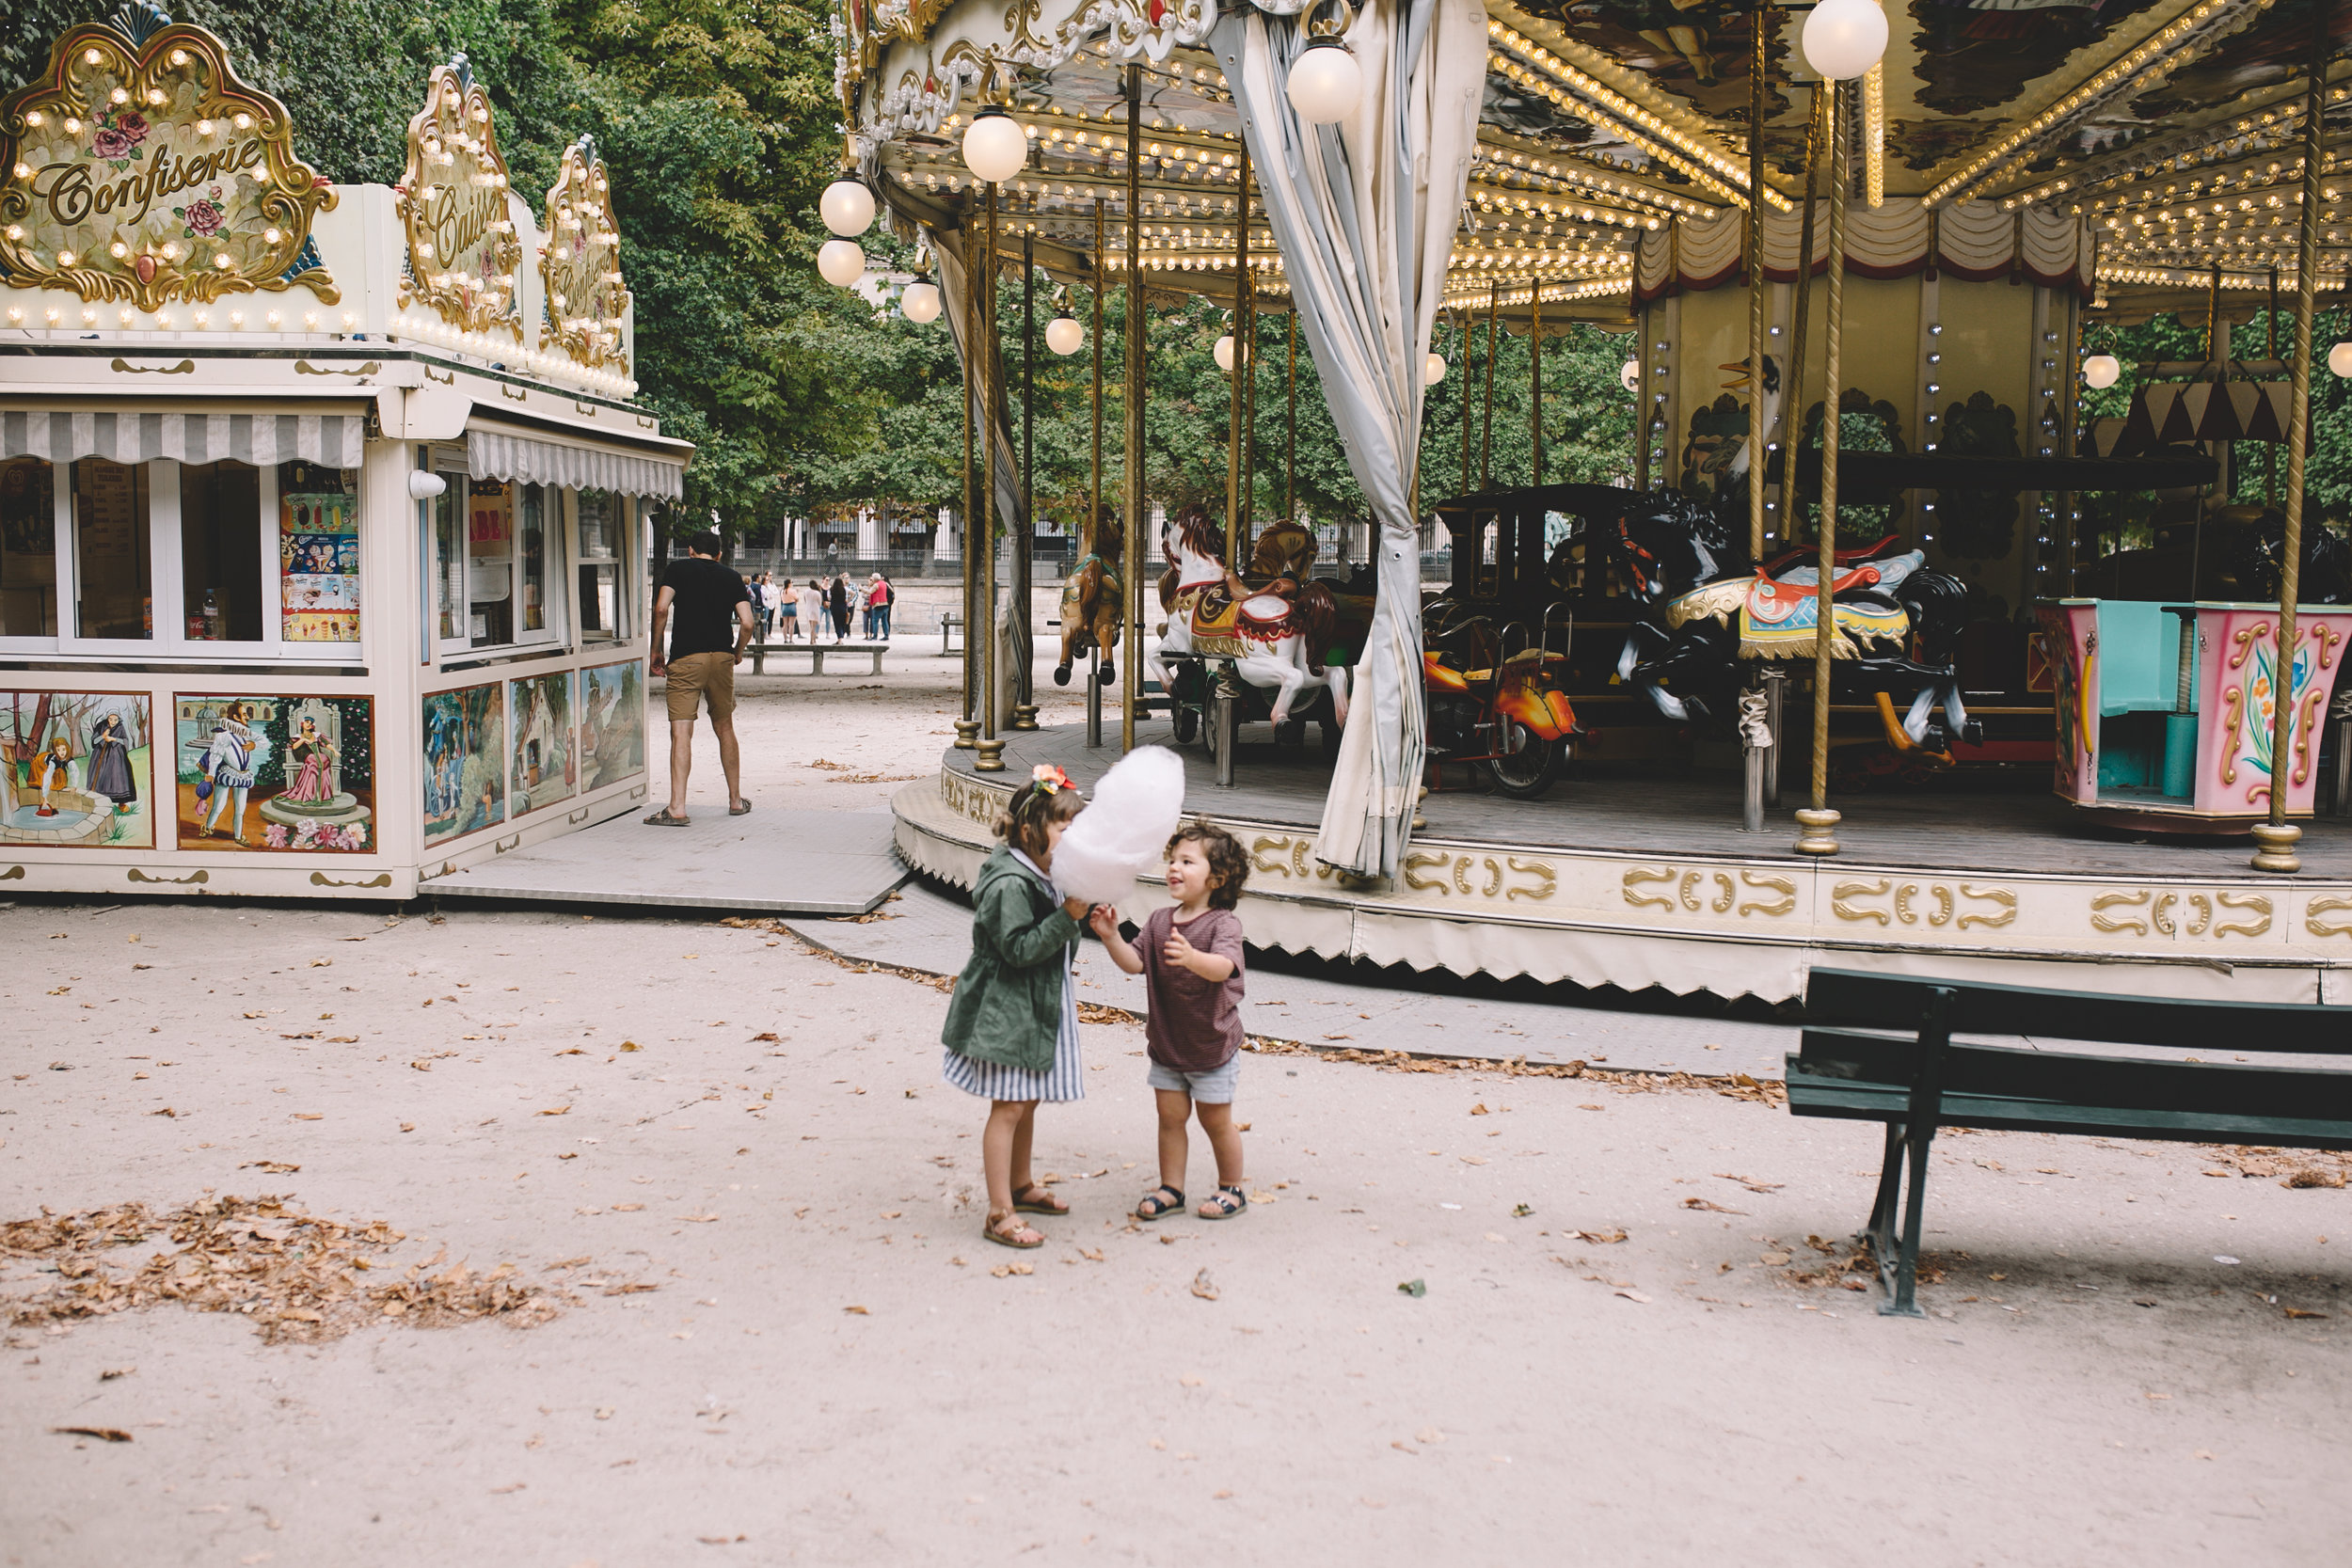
(1124, 830)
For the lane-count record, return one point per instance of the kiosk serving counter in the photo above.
(320, 506)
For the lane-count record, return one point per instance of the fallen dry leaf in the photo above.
(1204, 1287)
(1598, 1238)
(627, 1208)
(695, 1219)
(1634, 1295)
(276, 1167)
(110, 1435)
(1005, 1270)
(1710, 1208)
(859, 1311)
(309, 1115)
(556, 1110)
(2303, 1312)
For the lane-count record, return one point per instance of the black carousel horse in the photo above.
(1707, 610)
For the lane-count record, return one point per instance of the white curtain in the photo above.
(1365, 213)
(1011, 646)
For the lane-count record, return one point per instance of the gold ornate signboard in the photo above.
(138, 167)
(464, 258)
(581, 264)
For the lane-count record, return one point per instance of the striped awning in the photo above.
(332, 440)
(501, 454)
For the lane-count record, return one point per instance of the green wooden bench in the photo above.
(1881, 1047)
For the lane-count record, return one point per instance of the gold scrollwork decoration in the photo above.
(304, 367)
(1417, 863)
(1721, 903)
(2330, 904)
(2256, 902)
(1687, 890)
(2105, 922)
(1640, 875)
(1843, 891)
(13, 874)
(185, 367)
(1782, 886)
(153, 174)
(586, 299)
(465, 258)
(382, 879)
(193, 877)
(2203, 906)
(1461, 875)
(2159, 913)
(1259, 861)
(1494, 879)
(2232, 699)
(2000, 895)
(1548, 880)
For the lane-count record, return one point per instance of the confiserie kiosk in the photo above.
(320, 505)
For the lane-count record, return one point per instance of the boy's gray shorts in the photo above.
(1213, 1088)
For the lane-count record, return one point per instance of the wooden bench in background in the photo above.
(1879, 1048)
(817, 652)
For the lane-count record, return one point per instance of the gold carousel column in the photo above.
(1236, 523)
(968, 727)
(1025, 538)
(1486, 434)
(1461, 377)
(1819, 824)
(2276, 838)
(991, 745)
(1534, 388)
(1759, 70)
(1248, 341)
(1290, 424)
(1130, 688)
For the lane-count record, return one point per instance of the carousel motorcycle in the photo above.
(1500, 712)
(1705, 609)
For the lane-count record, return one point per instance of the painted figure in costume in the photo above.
(317, 756)
(486, 810)
(228, 765)
(110, 763)
(56, 771)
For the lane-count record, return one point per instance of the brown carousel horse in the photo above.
(1092, 606)
(1276, 636)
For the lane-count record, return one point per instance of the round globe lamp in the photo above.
(994, 148)
(1844, 39)
(840, 263)
(919, 302)
(847, 207)
(1325, 84)
(2101, 371)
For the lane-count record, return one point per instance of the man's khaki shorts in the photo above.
(699, 679)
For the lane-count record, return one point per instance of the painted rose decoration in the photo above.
(202, 216)
(115, 136)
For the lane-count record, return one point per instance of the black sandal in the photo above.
(1160, 1203)
(1224, 1203)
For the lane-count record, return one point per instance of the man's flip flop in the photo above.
(737, 810)
(663, 819)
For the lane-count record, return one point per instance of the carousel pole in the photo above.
(1131, 582)
(1290, 425)
(968, 726)
(1819, 824)
(1094, 483)
(2270, 449)
(1236, 547)
(1486, 437)
(1759, 70)
(2276, 838)
(1247, 287)
(1025, 541)
(1535, 378)
(1461, 336)
(982, 629)
(1792, 384)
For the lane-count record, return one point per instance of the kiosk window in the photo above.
(318, 553)
(113, 562)
(220, 552)
(603, 547)
(29, 548)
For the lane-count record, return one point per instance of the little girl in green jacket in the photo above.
(1012, 1028)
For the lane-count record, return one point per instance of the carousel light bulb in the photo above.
(1224, 352)
(1064, 336)
(847, 207)
(995, 147)
(2101, 371)
(840, 263)
(2340, 359)
(1844, 39)
(1325, 84)
(1432, 369)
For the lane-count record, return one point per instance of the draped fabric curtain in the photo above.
(1365, 213)
(991, 422)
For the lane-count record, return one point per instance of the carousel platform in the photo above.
(1648, 882)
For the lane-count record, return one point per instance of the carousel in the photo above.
(1893, 643)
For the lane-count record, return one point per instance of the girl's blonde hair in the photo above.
(1035, 806)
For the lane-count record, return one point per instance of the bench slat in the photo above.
(1893, 1002)
(2070, 1078)
(1845, 1100)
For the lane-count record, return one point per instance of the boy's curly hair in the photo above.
(1023, 823)
(1229, 865)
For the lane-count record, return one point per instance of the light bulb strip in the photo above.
(2171, 45)
(1490, 197)
(1511, 164)
(1563, 99)
(1874, 135)
(2187, 277)
(1564, 293)
(2267, 128)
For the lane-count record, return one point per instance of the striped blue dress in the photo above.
(1065, 1080)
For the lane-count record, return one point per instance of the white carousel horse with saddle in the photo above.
(1273, 638)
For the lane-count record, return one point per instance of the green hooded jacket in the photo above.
(1007, 1001)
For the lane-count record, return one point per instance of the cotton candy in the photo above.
(1124, 830)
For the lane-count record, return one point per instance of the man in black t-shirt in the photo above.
(708, 613)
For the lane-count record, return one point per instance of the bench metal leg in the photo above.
(1912, 1138)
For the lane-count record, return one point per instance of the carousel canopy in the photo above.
(2165, 134)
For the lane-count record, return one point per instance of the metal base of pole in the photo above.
(1095, 703)
(1225, 713)
(991, 757)
(2275, 851)
(1752, 812)
(967, 734)
(1818, 835)
(1775, 689)
(1023, 717)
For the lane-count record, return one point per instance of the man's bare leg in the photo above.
(682, 762)
(730, 757)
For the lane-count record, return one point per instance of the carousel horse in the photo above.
(1092, 607)
(1708, 609)
(1275, 637)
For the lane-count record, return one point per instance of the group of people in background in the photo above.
(819, 605)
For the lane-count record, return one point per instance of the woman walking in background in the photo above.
(838, 600)
(812, 608)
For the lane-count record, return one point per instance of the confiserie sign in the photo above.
(140, 168)
(464, 258)
(580, 265)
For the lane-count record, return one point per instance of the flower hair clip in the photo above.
(1050, 778)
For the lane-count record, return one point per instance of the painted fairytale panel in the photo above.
(611, 724)
(275, 773)
(76, 769)
(464, 761)
(318, 553)
(544, 767)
